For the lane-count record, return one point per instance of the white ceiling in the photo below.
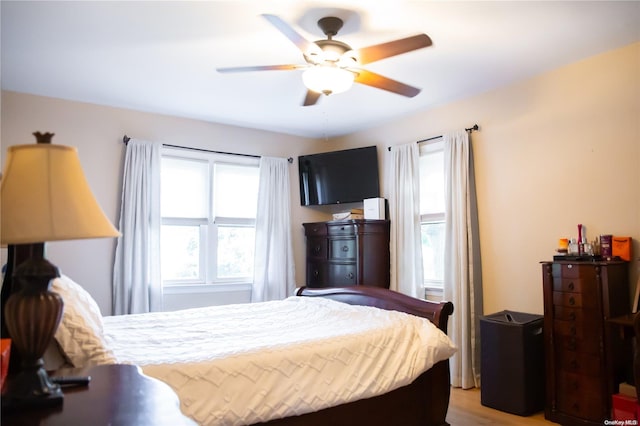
(162, 56)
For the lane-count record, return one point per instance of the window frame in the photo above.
(432, 284)
(208, 226)
(432, 287)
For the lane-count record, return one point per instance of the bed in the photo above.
(338, 356)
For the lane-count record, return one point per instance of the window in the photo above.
(432, 214)
(208, 209)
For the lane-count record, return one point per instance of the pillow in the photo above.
(80, 331)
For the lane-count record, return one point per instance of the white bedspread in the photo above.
(248, 363)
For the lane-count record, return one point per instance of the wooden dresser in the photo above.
(585, 358)
(348, 252)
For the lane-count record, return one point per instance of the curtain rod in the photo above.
(126, 140)
(470, 129)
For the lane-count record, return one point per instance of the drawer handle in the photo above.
(345, 248)
(350, 275)
(316, 249)
(316, 273)
(342, 228)
(315, 229)
(569, 266)
(572, 301)
(571, 285)
(572, 316)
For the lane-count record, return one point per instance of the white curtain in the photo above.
(136, 273)
(273, 266)
(403, 190)
(462, 273)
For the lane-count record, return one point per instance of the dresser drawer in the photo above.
(590, 344)
(342, 249)
(315, 229)
(581, 396)
(342, 274)
(317, 247)
(573, 300)
(341, 229)
(588, 316)
(580, 330)
(581, 363)
(316, 274)
(572, 382)
(573, 270)
(584, 286)
(374, 227)
(577, 323)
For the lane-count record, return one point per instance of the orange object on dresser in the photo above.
(621, 247)
(5, 350)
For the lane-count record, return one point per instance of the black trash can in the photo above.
(512, 362)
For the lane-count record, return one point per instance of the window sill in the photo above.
(435, 294)
(205, 288)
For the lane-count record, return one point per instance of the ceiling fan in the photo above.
(333, 66)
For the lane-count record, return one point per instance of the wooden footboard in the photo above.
(437, 313)
(423, 402)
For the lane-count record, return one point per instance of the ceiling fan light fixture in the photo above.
(327, 79)
(348, 59)
(332, 66)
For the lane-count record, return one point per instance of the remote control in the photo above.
(72, 380)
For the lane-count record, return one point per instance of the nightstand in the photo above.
(118, 395)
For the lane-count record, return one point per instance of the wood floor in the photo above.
(465, 409)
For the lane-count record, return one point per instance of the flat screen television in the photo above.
(338, 177)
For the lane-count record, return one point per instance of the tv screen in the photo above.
(338, 177)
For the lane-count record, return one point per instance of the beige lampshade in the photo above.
(45, 197)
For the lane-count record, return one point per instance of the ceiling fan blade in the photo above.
(311, 98)
(376, 52)
(258, 68)
(303, 44)
(380, 82)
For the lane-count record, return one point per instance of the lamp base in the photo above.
(32, 315)
(30, 388)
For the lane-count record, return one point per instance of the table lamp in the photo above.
(44, 196)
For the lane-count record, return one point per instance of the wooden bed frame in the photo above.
(424, 402)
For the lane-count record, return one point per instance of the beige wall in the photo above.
(97, 133)
(553, 151)
(559, 149)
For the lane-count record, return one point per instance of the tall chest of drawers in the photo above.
(348, 252)
(585, 358)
